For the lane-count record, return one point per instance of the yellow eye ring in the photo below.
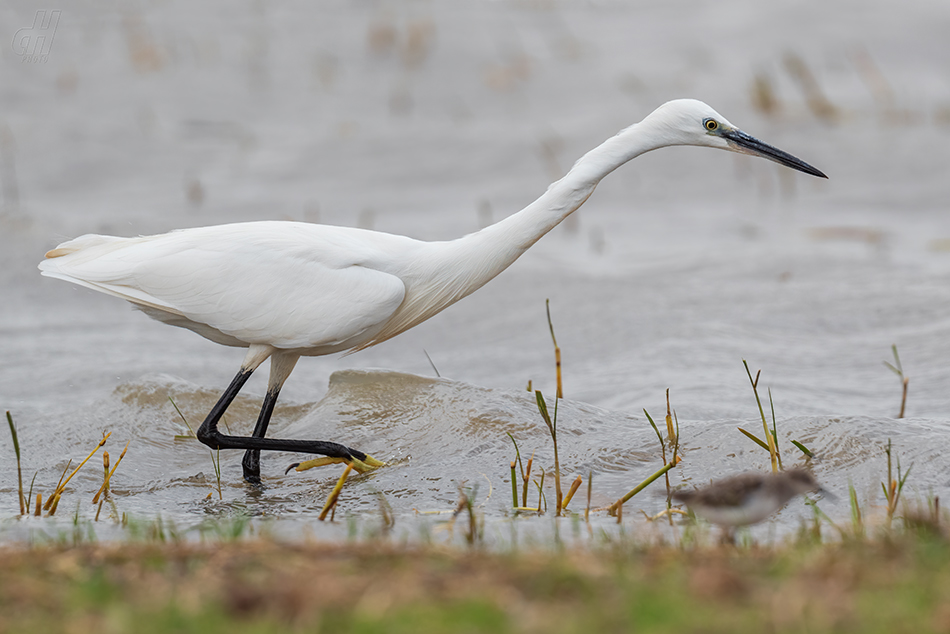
(711, 124)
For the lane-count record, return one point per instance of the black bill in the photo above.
(751, 145)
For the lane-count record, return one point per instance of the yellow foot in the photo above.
(360, 466)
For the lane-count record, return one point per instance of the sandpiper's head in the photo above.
(692, 122)
(800, 481)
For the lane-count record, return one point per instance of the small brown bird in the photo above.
(747, 498)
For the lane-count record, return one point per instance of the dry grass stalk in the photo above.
(54, 506)
(105, 484)
(557, 350)
(49, 506)
(526, 477)
(764, 98)
(874, 79)
(62, 486)
(817, 102)
(570, 492)
(897, 369)
(670, 431)
(105, 473)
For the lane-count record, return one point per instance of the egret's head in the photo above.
(691, 122)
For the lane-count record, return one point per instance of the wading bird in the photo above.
(289, 289)
(747, 498)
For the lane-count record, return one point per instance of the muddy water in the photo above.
(431, 122)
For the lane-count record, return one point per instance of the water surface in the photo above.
(430, 121)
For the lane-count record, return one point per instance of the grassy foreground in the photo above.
(889, 585)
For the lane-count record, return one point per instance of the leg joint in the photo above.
(209, 436)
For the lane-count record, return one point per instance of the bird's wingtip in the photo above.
(57, 252)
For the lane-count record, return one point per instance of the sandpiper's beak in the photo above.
(746, 144)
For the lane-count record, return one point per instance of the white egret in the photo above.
(289, 289)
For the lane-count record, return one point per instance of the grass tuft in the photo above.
(773, 450)
(770, 444)
(53, 500)
(19, 472)
(894, 486)
(673, 438)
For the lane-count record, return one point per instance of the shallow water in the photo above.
(430, 121)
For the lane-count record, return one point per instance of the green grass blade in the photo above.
(754, 439)
(778, 454)
(543, 408)
(803, 449)
(183, 419)
(16, 441)
(517, 453)
(19, 473)
(653, 478)
(653, 425)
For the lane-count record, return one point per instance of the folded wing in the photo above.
(283, 284)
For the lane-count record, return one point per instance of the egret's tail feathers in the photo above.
(85, 261)
(79, 244)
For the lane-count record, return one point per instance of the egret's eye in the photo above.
(711, 124)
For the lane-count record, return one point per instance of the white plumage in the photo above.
(291, 289)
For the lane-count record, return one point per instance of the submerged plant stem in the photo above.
(614, 508)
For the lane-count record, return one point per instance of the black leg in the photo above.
(208, 432)
(252, 457)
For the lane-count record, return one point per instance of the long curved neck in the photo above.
(503, 242)
(454, 269)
